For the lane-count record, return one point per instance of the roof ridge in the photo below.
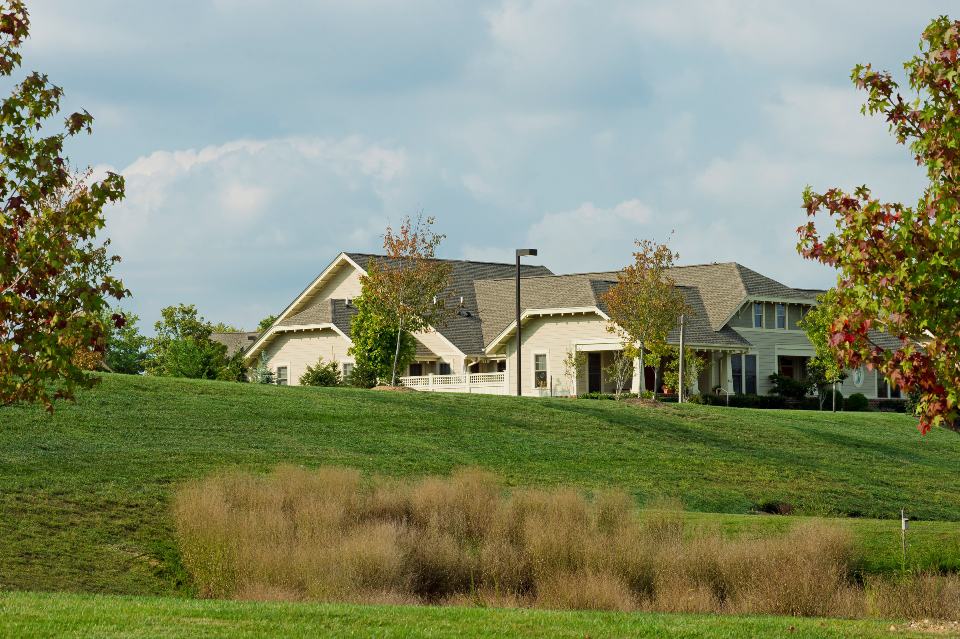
(447, 259)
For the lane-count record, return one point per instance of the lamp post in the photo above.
(520, 253)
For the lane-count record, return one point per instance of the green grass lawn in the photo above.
(84, 493)
(31, 616)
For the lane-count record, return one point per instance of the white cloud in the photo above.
(211, 226)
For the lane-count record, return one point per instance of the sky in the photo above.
(259, 139)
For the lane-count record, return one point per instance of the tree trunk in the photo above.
(396, 353)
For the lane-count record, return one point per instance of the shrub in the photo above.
(322, 374)
(894, 405)
(596, 395)
(828, 402)
(329, 535)
(746, 401)
(789, 387)
(857, 402)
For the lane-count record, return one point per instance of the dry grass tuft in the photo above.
(327, 534)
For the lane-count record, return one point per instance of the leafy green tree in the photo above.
(125, 347)
(322, 374)
(374, 347)
(266, 323)
(182, 347)
(55, 276)
(645, 304)
(898, 264)
(666, 356)
(221, 327)
(406, 288)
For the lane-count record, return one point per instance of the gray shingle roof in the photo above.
(464, 329)
(239, 341)
(496, 298)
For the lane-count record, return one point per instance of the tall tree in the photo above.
(54, 271)
(182, 347)
(266, 323)
(125, 347)
(406, 288)
(373, 347)
(645, 304)
(899, 266)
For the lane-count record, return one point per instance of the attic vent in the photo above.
(251, 338)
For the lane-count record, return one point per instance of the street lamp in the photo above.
(520, 253)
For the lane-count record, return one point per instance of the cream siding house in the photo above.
(744, 326)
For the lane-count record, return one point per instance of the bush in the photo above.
(322, 374)
(789, 387)
(895, 405)
(857, 403)
(828, 402)
(696, 399)
(330, 535)
(363, 375)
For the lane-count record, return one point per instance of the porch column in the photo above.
(728, 372)
(695, 387)
(637, 382)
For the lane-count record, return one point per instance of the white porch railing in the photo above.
(486, 383)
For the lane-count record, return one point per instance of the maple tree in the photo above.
(899, 266)
(54, 272)
(407, 287)
(645, 304)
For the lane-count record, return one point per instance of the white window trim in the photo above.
(276, 373)
(753, 315)
(533, 368)
(786, 316)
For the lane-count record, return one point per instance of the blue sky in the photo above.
(261, 138)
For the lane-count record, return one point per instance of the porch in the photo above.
(485, 383)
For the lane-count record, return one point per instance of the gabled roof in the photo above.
(235, 341)
(566, 293)
(725, 286)
(464, 329)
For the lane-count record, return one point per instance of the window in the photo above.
(757, 315)
(282, 376)
(475, 367)
(501, 365)
(540, 370)
(750, 373)
(347, 370)
(885, 390)
(444, 368)
(416, 369)
(744, 369)
(781, 316)
(736, 362)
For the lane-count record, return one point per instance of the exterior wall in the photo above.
(556, 336)
(769, 344)
(742, 318)
(443, 349)
(298, 350)
(344, 284)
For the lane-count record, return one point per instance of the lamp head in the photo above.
(526, 252)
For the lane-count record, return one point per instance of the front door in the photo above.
(594, 373)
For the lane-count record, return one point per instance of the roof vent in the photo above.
(348, 301)
(464, 313)
(461, 300)
(251, 338)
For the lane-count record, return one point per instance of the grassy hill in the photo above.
(84, 493)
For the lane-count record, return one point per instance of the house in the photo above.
(744, 326)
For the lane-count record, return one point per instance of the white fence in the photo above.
(486, 383)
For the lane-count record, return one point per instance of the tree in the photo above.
(824, 370)
(645, 304)
(222, 327)
(374, 347)
(899, 266)
(322, 374)
(406, 288)
(182, 347)
(262, 373)
(124, 352)
(54, 270)
(574, 363)
(266, 323)
(621, 368)
(666, 356)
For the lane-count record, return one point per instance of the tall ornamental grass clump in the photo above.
(331, 535)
